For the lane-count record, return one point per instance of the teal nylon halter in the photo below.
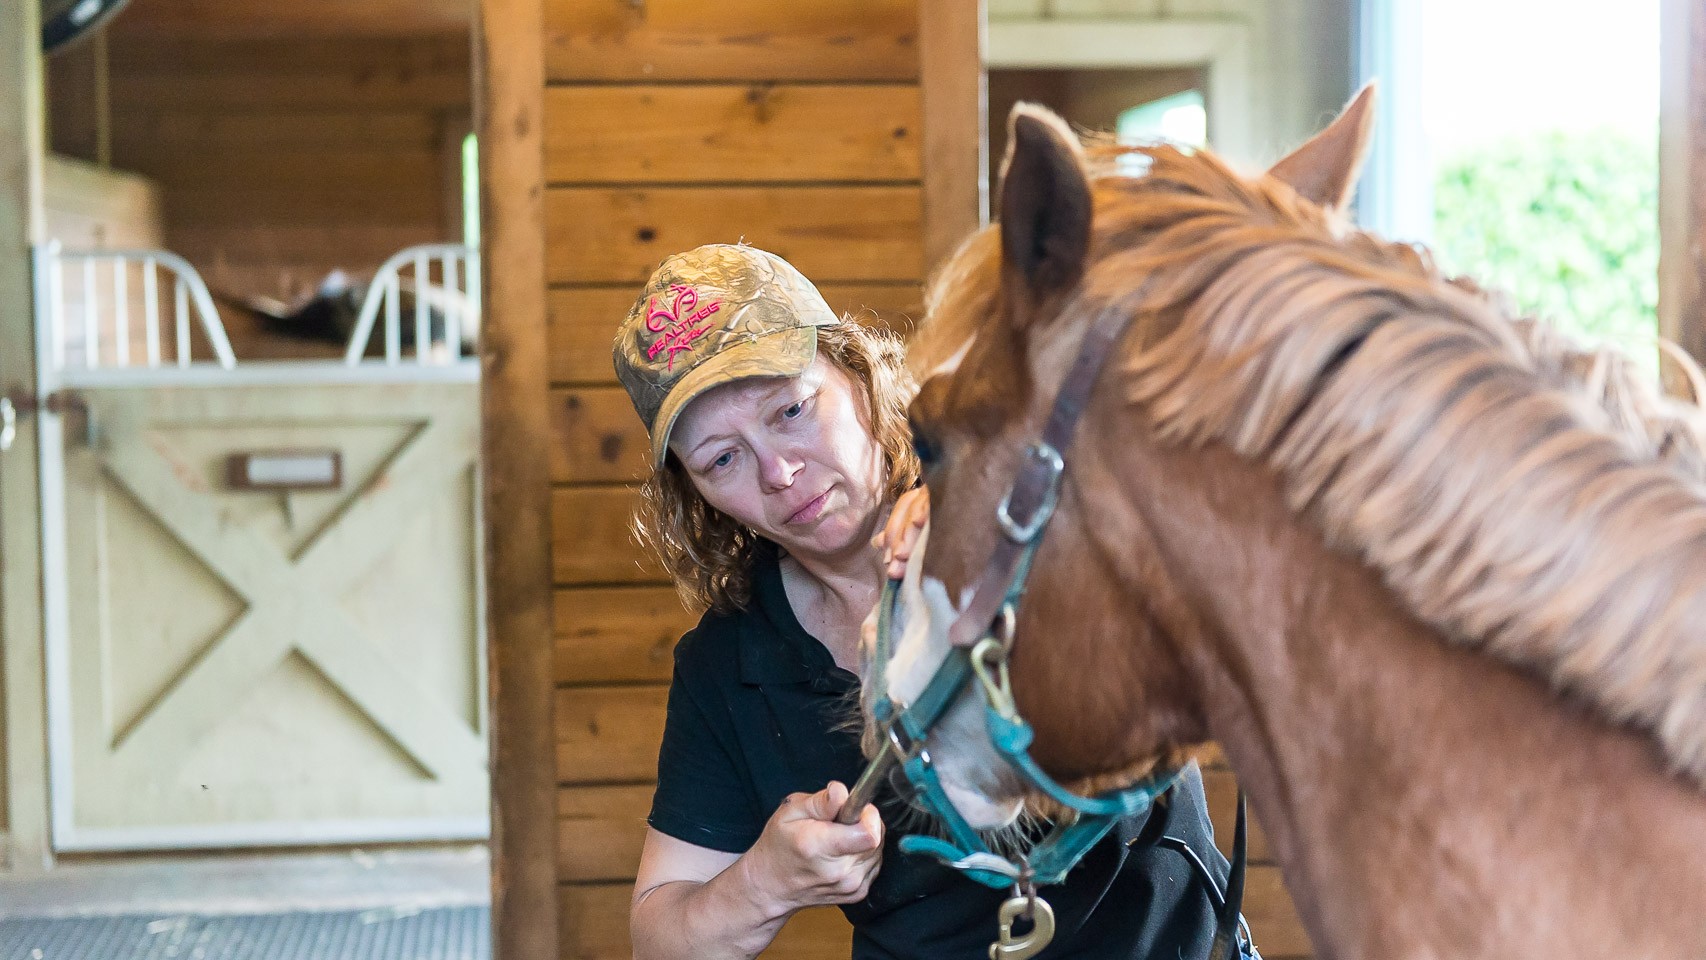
(907, 727)
(981, 640)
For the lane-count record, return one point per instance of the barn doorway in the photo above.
(257, 278)
(1136, 105)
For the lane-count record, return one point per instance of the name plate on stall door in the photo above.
(285, 470)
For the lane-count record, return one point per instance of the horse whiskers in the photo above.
(1041, 806)
(1011, 841)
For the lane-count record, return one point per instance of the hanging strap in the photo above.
(1031, 499)
(1228, 906)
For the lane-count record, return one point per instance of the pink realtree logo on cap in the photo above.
(678, 321)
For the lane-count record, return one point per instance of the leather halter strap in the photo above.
(1035, 486)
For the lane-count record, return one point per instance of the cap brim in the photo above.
(786, 353)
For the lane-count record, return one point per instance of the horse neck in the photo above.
(1421, 799)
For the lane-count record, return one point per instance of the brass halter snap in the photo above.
(989, 663)
(1024, 904)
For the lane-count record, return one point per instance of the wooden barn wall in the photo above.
(791, 124)
(280, 158)
(796, 125)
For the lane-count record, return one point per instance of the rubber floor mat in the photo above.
(443, 933)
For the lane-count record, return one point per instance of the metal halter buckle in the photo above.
(1025, 532)
(989, 664)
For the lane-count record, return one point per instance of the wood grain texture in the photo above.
(618, 634)
(597, 437)
(609, 734)
(702, 134)
(286, 75)
(296, 18)
(1221, 788)
(600, 831)
(618, 235)
(281, 161)
(731, 40)
(516, 483)
(590, 543)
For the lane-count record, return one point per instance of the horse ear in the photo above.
(1045, 210)
(1680, 376)
(1326, 168)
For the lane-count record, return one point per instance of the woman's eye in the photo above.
(723, 460)
(794, 409)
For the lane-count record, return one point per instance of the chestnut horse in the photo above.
(1436, 587)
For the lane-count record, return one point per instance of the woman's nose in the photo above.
(777, 470)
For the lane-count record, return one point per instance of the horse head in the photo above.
(1006, 320)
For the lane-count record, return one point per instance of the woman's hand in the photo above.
(897, 538)
(805, 859)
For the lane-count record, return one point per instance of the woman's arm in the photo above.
(694, 902)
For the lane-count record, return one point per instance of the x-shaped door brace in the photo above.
(293, 606)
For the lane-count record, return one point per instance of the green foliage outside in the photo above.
(1565, 223)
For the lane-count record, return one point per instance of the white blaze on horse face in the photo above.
(981, 786)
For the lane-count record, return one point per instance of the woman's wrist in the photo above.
(762, 888)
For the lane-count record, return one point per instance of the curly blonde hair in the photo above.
(708, 554)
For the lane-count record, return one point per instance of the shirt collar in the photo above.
(774, 647)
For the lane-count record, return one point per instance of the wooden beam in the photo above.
(1682, 164)
(22, 145)
(509, 87)
(951, 50)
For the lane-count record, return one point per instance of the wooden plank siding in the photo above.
(693, 41)
(801, 127)
(617, 235)
(794, 126)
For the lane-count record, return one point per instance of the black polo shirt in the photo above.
(758, 710)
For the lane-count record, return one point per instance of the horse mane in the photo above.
(1527, 496)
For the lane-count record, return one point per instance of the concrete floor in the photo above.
(394, 878)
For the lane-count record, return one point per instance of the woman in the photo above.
(779, 448)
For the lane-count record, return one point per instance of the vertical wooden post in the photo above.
(951, 47)
(1682, 175)
(22, 145)
(510, 80)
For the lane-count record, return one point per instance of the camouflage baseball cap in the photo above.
(710, 316)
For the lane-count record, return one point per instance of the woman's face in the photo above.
(790, 457)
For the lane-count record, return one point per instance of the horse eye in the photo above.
(923, 448)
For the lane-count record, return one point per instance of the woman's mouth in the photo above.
(812, 510)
